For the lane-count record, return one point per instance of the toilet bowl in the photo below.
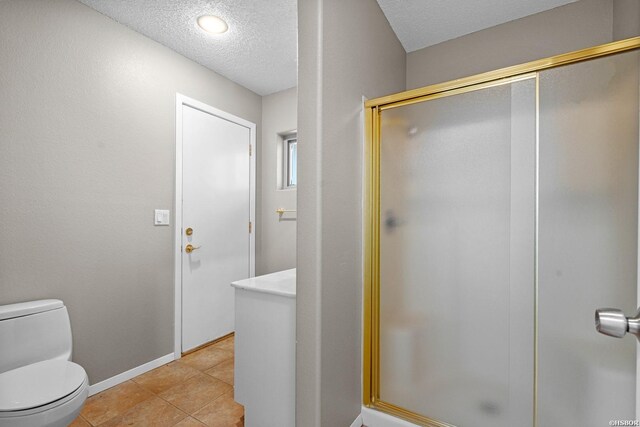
(39, 385)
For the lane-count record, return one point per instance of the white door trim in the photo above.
(177, 243)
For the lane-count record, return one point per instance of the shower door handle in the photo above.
(613, 322)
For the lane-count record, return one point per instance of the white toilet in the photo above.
(39, 385)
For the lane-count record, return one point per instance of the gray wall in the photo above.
(278, 248)
(338, 64)
(87, 137)
(575, 26)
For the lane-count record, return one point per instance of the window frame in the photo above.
(287, 161)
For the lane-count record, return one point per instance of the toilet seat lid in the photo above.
(39, 384)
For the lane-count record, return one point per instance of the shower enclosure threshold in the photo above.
(373, 418)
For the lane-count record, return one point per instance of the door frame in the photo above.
(182, 100)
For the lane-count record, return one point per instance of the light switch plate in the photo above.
(161, 217)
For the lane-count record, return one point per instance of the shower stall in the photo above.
(502, 211)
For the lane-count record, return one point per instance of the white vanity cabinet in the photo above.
(265, 336)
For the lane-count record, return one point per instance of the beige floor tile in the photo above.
(80, 422)
(165, 377)
(206, 358)
(222, 412)
(189, 422)
(226, 344)
(222, 371)
(113, 402)
(195, 392)
(151, 412)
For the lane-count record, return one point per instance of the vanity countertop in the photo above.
(281, 283)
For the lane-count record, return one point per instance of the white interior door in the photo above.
(216, 192)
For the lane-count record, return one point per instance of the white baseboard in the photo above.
(373, 418)
(357, 422)
(125, 376)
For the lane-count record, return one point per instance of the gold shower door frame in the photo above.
(372, 111)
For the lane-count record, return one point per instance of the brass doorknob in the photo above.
(188, 231)
(190, 248)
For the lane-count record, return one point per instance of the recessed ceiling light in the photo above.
(212, 24)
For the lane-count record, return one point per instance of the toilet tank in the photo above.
(32, 332)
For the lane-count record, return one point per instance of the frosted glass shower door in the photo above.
(457, 227)
(504, 215)
(588, 236)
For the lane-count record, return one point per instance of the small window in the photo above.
(290, 161)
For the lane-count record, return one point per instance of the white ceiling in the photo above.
(259, 51)
(422, 23)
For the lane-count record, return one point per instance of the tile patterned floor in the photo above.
(196, 390)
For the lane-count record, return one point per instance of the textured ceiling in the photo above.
(422, 23)
(259, 51)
